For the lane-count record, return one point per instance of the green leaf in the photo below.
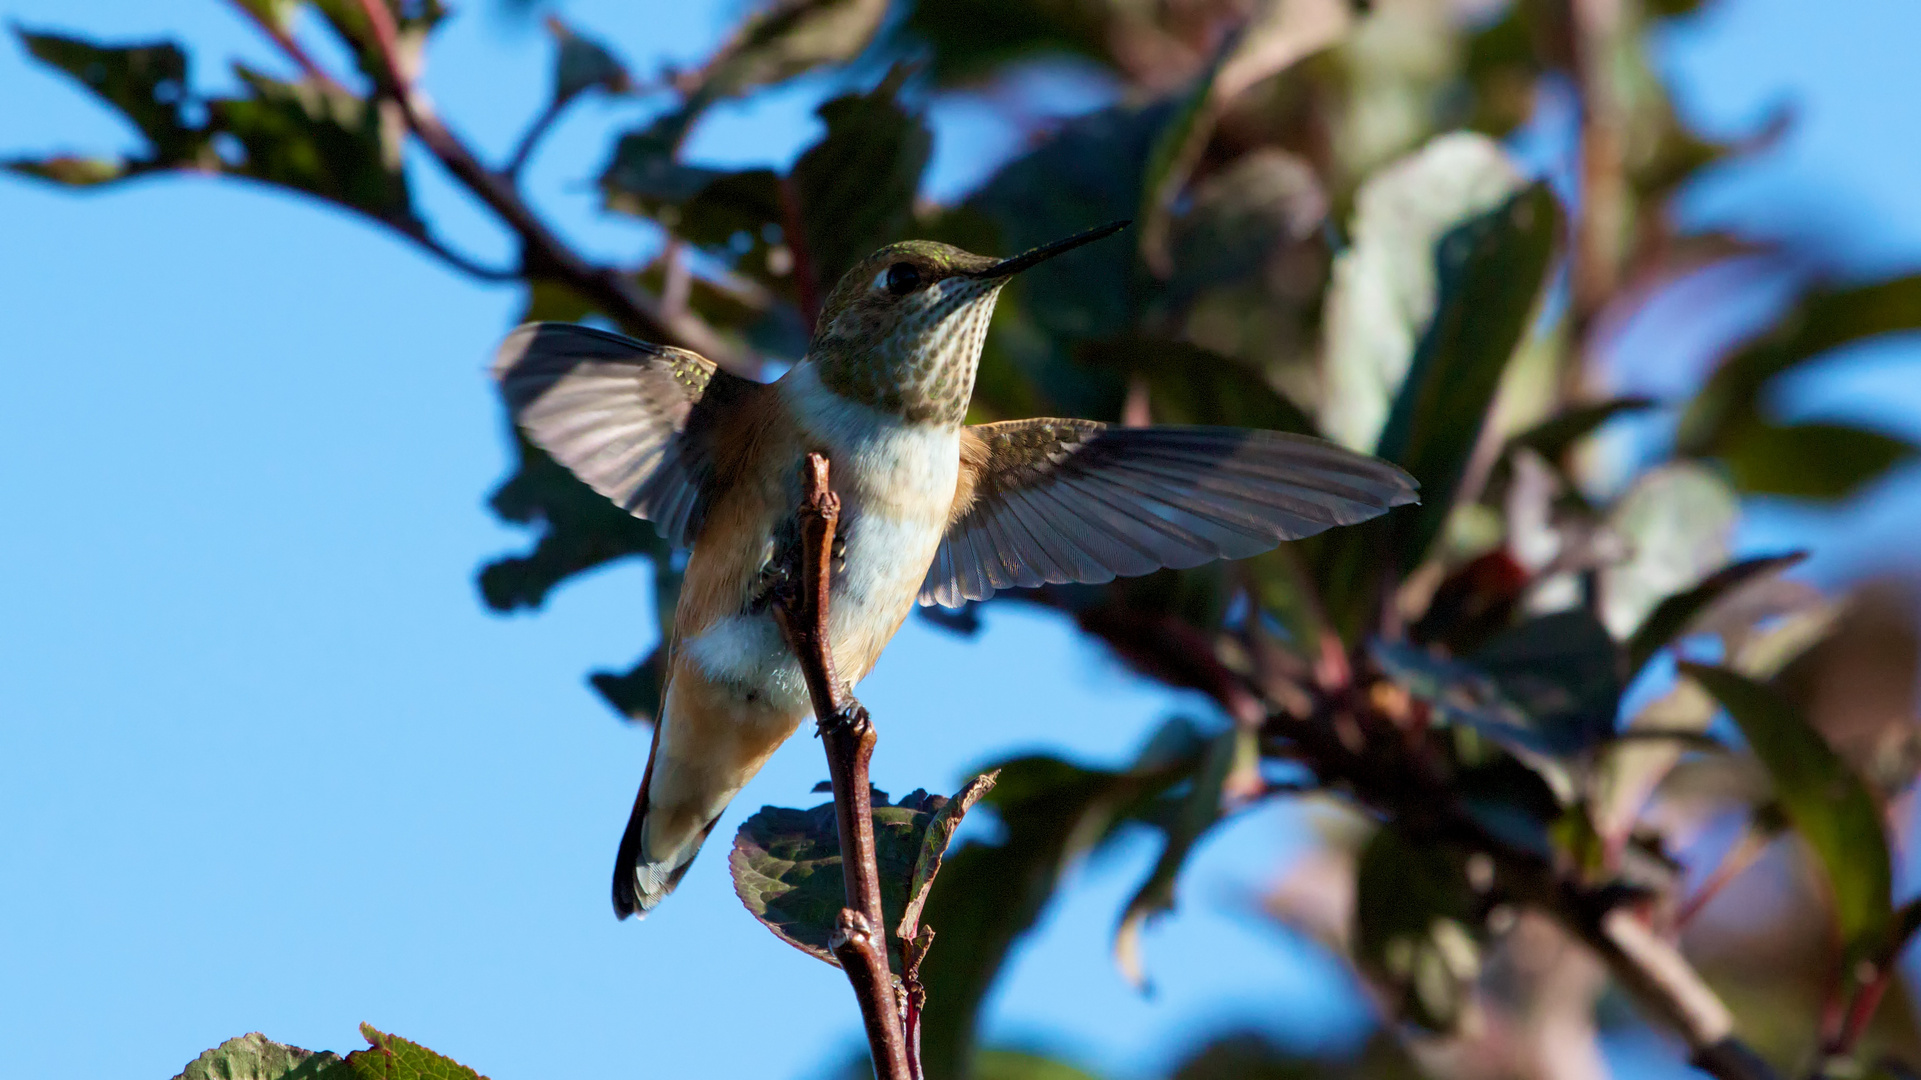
(1826, 802)
(1052, 812)
(787, 38)
(1387, 286)
(329, 144)
(1564, 671)
(582, 64)
(147, 84)
(786, 865)
(1198, 812)
(394, 1058)
(855, 187)
(1672, 616)
(1021, 1065)
(1238, 219)
(1824, 320)
(256, 1057)
(1554, 437)
(1548, 686)
(635, 693)
(933, 848)
(1810, 460)
(1415, 927)
(1491, 271)
(580, 530)
(413, 21)
(1189, 384)
(1677, 521)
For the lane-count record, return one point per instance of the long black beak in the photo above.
(1041, 254)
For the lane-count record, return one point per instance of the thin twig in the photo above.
(532, 136)
(292, 48)
(847, 734)
(543, 253)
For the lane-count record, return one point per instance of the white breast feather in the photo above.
(892, 518)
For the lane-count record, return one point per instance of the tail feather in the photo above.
(642, 882)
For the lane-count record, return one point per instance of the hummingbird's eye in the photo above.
(902, 278)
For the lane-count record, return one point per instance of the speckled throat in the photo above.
(915, 359)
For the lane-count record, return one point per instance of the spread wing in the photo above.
(1055, 501)
(635, 421)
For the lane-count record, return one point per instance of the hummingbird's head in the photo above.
(903, 330)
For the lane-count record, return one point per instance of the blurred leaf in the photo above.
(1677, 520)
(1672, 616)
(1021, 1065)
(1857, 685)
(1491, 271)
(1413, 909)
(326, 143)
(855, 187)
(787, 868)
(413, 21)
(1824, 320)
(1254, 1056)
(1564, 671)
(636, 693)
(969, 39)
(1827, 803)
(580, 530)
(1278, 35)
(1187, 384)
(1087, 174)
(933, 848)
(256, 1057)
(1052, 812)
(1386, 287)
(786, 38)
(1198, 813)
(1238, 218)
(147, 84)
(394, 1058)
(1810, 460)
(582, 64)
(1548, 686)
(1553, 438)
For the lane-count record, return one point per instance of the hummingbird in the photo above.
(933, 510)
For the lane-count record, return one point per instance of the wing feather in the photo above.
(1059, 501)
(635, 422)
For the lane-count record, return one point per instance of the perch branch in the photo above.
(543, 252)
(846, 733)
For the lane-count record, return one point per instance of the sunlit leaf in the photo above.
(933, 850)
(1677, 521)
(256, 1057)
(1387, 285)
(394, 1058)
(1826, 802)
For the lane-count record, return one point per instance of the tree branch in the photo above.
(543, 253)
(847, 734)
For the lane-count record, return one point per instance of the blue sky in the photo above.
(267, 764)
